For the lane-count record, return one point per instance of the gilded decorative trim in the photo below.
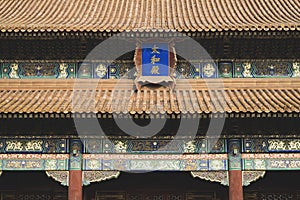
(97, 176)
(217, 176)
(34, 156)
(155, 156)
(59, 176)
(87, 176)
(251, 176)
(34, 161)
(270, 155)
(222, 176)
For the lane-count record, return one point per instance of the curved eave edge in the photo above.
(143, 115)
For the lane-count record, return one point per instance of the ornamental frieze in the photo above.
(155, 146)
(271, 161)
(271, 145)
(23, 164)
(41, 69)
(34, 145)
(125, 69)
(129, 162)
(34, 161)
(284, 145)
(25, 145)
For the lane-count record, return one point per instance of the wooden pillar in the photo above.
(235, 170)
(235, 185)
(75, 185)
(75, 172)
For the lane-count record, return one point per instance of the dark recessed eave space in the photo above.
(235, 124)
(132, 34)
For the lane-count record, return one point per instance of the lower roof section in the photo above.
(278, 95)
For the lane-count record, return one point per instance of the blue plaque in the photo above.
(155, 59)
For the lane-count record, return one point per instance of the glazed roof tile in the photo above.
(149, 15)
(108, 96)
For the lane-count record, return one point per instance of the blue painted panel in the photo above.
(155, 59)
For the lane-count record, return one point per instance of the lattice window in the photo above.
(277, 196)
(34, 197)
(13, 195)
(257, 195)
(175, 197)
(112, 195)
(135, 197)
(154, 197)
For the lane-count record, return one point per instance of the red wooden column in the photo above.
(75, 172)
(235, 185)
(235, 170)
(75, 185)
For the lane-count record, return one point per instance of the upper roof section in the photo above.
(149, 15)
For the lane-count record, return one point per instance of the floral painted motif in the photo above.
(98, 176)
(296, 69)
(189, 147)
(120, 147)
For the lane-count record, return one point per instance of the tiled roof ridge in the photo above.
(149, 15)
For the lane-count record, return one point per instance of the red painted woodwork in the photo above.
(235, 185)
(75, 185)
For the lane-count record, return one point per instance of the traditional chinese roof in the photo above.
(112, 96)
(148, 15)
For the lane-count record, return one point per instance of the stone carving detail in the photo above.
(222, 176)
(60, 176)
(98, 176)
